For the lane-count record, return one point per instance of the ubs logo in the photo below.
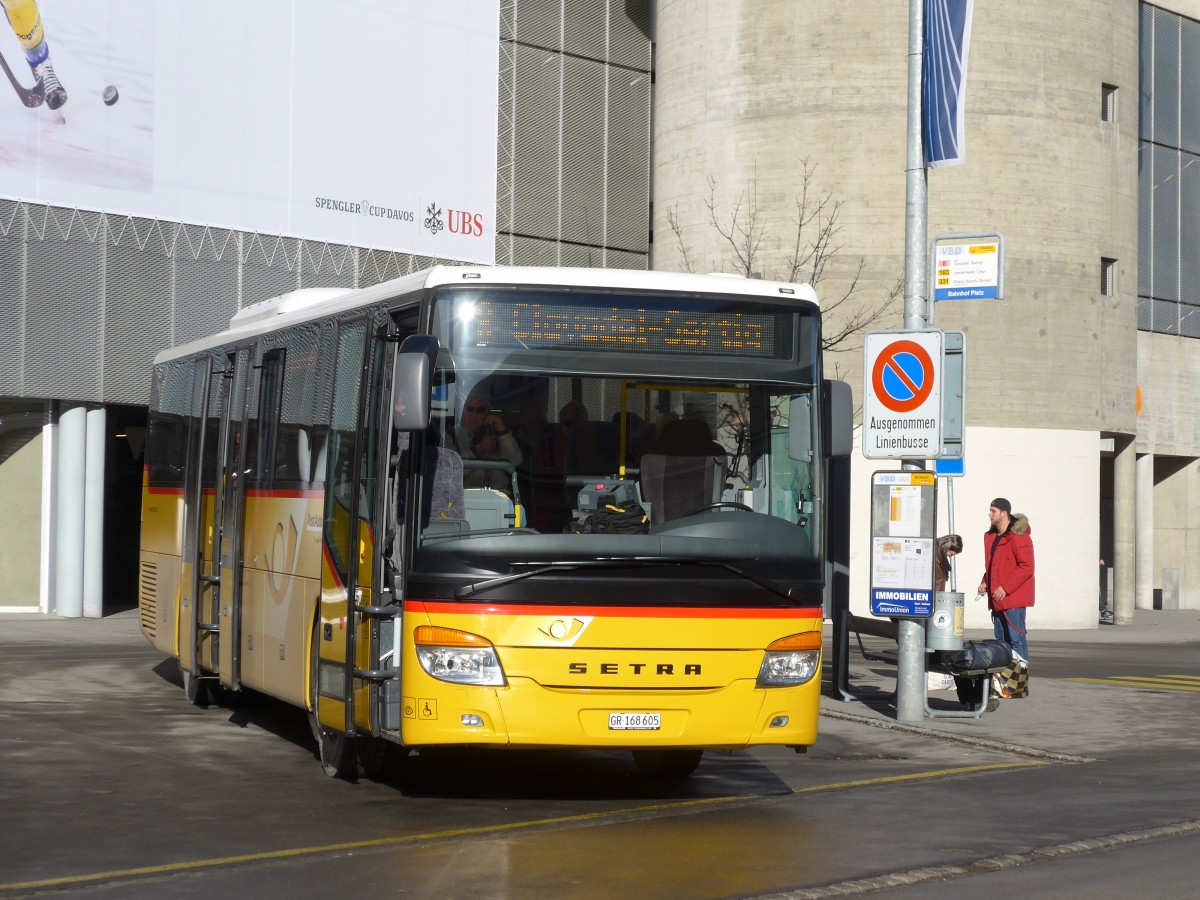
(433, 219)
(468, 224)
(458, 221)
(566, 631)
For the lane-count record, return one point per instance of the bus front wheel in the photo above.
(667, 763)
(194, 688)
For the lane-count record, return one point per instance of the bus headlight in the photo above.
(791, 660)
(458, 657)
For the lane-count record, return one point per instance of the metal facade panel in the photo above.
(627, 171)
(63, 318)
(508, 9)
(629, 33)
(536, 169)
(1189, 85)
(583, 152)
(137, 289)
(1165, 79)
(577, 256)
(205, 296)
(616, 259)
(1146, 89)
(1164, 250)
(1189, 227)
(539, 22)
(326, 265)
(585, 29)
(261, 281)
(12, 317)
(505, 132)
(533, 252)
(1145, 208)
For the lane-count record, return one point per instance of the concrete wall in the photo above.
(1050, 475)
(1176, 527)
(1168, 370)
(747, 90)
(1169, 428)
(20, 526)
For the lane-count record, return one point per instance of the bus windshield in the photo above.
(585, 443)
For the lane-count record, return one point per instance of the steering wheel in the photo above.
(723, 504)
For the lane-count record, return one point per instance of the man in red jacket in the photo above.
(1008, 573)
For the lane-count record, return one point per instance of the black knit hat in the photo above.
(1002, 504)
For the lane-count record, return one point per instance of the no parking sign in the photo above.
(902, 394)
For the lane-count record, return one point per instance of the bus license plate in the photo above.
(634, 721)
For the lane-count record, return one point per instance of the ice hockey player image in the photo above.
(26, 22)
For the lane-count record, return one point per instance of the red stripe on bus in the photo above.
(631, 612)
(284, 493)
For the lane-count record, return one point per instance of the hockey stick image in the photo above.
(31, 97)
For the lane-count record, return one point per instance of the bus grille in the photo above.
(148, 601)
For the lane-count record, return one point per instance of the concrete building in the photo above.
(1082, 124)
(633, 133)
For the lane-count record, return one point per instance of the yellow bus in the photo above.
(502, 507)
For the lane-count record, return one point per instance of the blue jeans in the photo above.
(1016, 628)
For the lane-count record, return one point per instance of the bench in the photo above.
(935, 661)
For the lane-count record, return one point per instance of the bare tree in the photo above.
(813, 244)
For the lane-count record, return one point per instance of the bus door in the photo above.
(232, 507)
(203, 503)
(345, 538)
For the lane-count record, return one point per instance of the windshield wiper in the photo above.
(619, 562)
(765, 584)
(468, 589)
(478, 532)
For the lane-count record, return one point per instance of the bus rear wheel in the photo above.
(337, 750)
(667, 763)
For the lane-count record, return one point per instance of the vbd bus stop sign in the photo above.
(902, 394)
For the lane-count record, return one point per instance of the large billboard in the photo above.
(362, 122)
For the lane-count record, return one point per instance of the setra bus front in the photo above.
(646, 569)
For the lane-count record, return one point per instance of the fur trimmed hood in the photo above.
(1018, 525)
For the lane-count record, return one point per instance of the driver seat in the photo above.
(684, 471)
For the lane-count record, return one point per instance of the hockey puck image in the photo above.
(110, 95)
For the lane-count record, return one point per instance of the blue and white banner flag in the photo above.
(947, 41)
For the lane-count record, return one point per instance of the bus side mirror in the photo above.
(838, 420)
(412, 382)
(800, 428)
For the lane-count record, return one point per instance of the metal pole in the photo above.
(950, 529)
(910, 668)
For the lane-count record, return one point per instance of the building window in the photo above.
(1108, 276)
(1168, 275)
(1108, 103)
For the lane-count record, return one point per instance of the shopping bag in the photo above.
(1013, 680)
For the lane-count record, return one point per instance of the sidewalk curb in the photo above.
(951, 737)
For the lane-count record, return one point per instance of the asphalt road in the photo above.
(113, 786)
